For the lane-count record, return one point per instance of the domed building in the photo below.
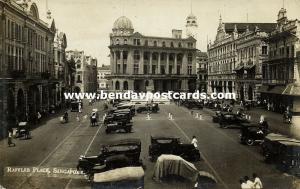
(122, 26)
(146, 63)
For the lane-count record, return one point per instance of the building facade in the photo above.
(145, 63)
(62, 71)
(252, 50)
(234, 58)
(201, 66)
(281, 82)
(26, 60)
(86, 71)
(103, 73)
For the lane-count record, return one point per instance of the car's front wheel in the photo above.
(250, 142)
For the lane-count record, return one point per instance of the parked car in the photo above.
(216, 118)
(251, 134)
(148, 108)
(172, 145)
(115, 126)
(23, 130)
(193, 104)
(283, 151)
(232, 120)
(127, 106)
(116, 154)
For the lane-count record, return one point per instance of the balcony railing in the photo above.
(277, 81)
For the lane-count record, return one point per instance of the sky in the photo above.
(88, 23)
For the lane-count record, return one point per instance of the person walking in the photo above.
(243, 184)
(194, 142)
(257, 184)
(9, 139)
(249, 183)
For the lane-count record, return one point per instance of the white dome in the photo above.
(123, 23)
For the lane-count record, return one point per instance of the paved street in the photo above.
(59, 145)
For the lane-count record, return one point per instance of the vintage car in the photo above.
(283, 151)
(119, 117)
(171, 165)
(75, 106)
(23, 130)
(172, 145)
(121, 111)
(148, 108)
(193, 104)
(232, 120)
(125, 178)
(216, 118)
(116, 154)
(116, 126)
(127, 106)
(251, 134)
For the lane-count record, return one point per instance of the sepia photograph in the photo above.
(149, 94)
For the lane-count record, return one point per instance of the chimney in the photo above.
(176, 33)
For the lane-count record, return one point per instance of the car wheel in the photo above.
(250, 142)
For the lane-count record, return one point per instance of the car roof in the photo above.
(164, 137)
(124, 141)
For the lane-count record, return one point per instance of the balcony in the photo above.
(17, 74)
(45, 75)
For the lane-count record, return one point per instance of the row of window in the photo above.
(287, 51)
(222, 50)
(14, 57)
(137, 42)
(154, 69)
(20, 33)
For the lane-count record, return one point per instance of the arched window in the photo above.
(117, 42)
(117, 85)
(179, 44)
(163, 44)
(125, 85)
(125, 41)
(172, 45)
(193, 21)
(155, 43)
(146, 43)
(154, 56)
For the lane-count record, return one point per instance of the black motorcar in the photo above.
(172, 145)
(127, 106)
(251, 134)
(193, 104)
(23, 130)
(154, 108)
(216, 118)
(283, 151)
(122, 153)
(117, 117)
(116, 126)
(232, 120)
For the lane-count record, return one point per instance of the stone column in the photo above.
(121, 60)
(130, 62)
(158, 63)
(115, 63)
(167, 66)
(141, 63)
(175, 64)
(150, 69)
(184, 64)
(130, 84)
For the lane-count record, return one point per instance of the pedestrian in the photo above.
(9, 139)
(241, 103)
(257, 184)
(268, 106)
(79, 107)
(194, 142)
(249, 183)
(77, 118)
(39, 116)
(192, 112)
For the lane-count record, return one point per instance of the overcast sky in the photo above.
(87, 23)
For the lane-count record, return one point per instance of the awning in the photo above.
(292, 90)
(248, 67)
(272, 89)
(238, 68)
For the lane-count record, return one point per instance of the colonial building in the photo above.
(62, 71)
(224, 63)
(252, 50)
(141, 63)
(281, 82)
(201, 65)
(26, 60)
(86, 71)
(103, 73)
